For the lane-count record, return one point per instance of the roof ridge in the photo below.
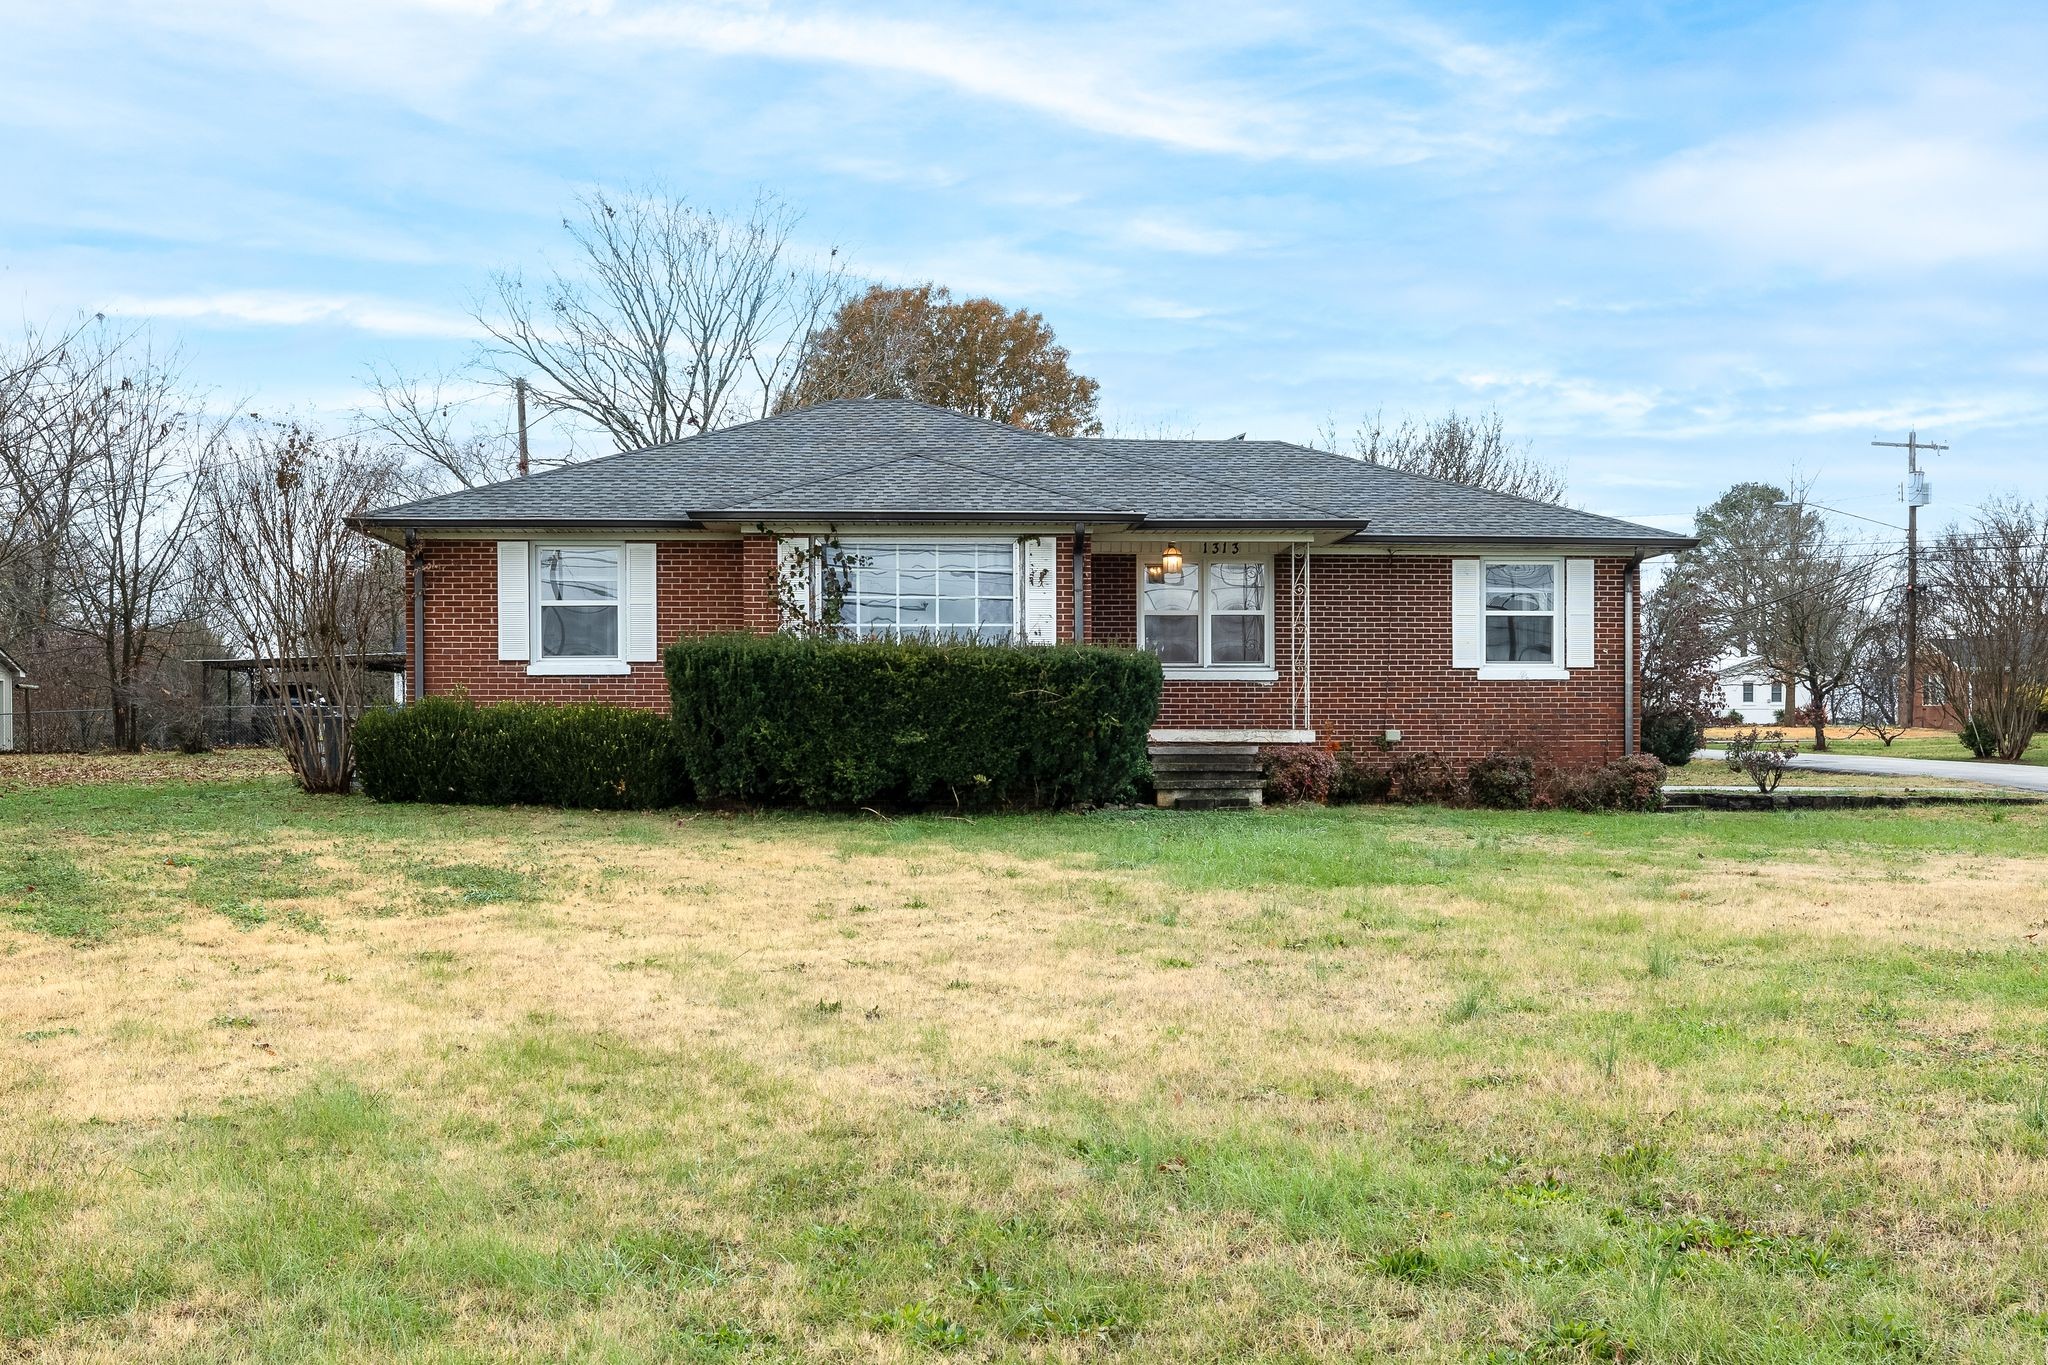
(1224, 483)
(908, 457)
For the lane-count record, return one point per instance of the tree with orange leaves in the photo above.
(972, 356)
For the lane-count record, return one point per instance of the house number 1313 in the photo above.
(1219, 547)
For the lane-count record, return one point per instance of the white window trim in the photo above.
(585, 666)
(1267, 672)
(1504, 671)
(852, 546)
(1523, 672)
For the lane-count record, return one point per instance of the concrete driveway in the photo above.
(2028, 777)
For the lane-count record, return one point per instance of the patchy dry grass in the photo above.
(23, 772)
(299, 1079)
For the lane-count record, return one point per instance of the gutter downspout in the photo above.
(1080, 584)
(1629, 579)
(416, 558)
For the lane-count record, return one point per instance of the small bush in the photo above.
(836, 723)
(520, 753)
(1425, 776)
(1635, 783)
(1359, 779)
(1673, 736)
(1503, 781)
(1978, 737)
(1763, 755)
(1298, 773)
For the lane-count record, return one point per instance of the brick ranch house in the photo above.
(1292, 595)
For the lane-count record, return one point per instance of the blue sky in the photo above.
(1676, 245)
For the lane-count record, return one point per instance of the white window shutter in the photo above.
(1468, 613)
(640, 609)
(794, 581)
(515, 601)
(1041, 590)
(1578, 613)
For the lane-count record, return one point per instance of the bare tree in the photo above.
(307, 596)
(41, 389)
(675, 321)
(125, 566)
(1876, 684)
(444, 433)
(1990, 590)
(1821, 611)
(1473, 451)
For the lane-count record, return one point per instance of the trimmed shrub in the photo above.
(1424, 775)
(1635, 783)
(826, 723)
(1673, 736)
(1297, 773)
(587, 756)
(1503, 781)
(1359, 779)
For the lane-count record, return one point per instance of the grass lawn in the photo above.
(285, 1078)
(1914, 744)
(1713, 772)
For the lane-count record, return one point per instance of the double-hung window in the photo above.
(1521, 612)
(1214, 615)
(925, 590)
(1749, 694)
(577, 598)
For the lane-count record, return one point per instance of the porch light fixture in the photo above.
(1155, 573)
(1170, 561)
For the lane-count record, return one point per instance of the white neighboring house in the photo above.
(1750, 690)
(12, 680)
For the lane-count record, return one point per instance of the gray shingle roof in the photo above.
(882, 458)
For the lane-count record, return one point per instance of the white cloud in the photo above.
(1177, 79)
(1189, 239)
(279, 308)
(1856, 194)
(1061, 80)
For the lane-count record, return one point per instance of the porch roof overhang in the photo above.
(388, 661)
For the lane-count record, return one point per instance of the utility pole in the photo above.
(519, 389)
(1913, 492)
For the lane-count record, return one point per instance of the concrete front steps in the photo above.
(1208, 776)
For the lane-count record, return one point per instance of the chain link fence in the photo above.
(182, 727)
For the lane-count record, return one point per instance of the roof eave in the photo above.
(1620, 544)
(1164, 523)
(757, 515)
(371, 521)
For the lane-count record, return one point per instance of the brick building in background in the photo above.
(1293, 596)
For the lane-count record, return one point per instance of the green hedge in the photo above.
(838, 724)
(520, 753)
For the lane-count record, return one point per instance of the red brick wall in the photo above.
(1380, 657)
(698, 592)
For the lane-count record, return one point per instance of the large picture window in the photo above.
(1521, 612)
(1215, 615)
(943, 590)
(577, 594)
